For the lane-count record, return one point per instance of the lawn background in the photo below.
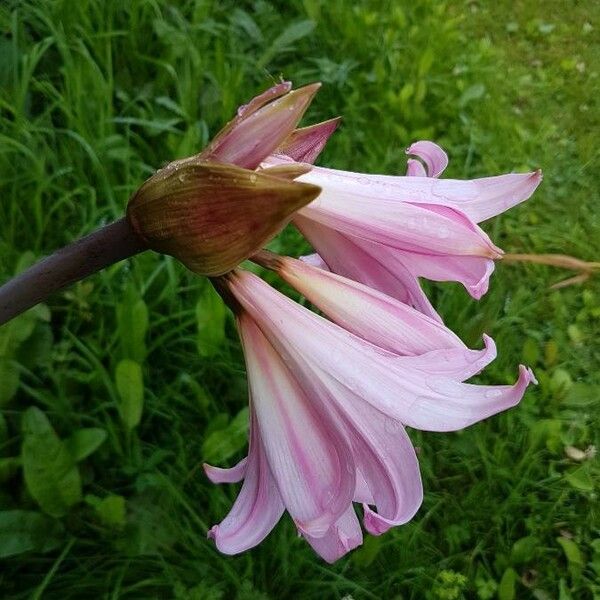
(96, 95)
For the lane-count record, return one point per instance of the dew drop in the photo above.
(493, 394)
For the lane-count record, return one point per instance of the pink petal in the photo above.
(386, 459)
(478, 199)
(344, 535)
(458, 363)
(435, 159)
(368, 313)
(372, 264)
(351, 206)
(472, 271)
(387, 467)
(307, 454)
(274, 92)
(231, 475)
(315, 260)
(362, 493)
(415, 168)
(485, 197)
(420, 398)
(305, 144)
(257, 508)
(257, 132)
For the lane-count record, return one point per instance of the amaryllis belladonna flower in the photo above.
(387, 231)
(329, 400)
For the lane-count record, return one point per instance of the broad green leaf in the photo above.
(8, 467)
(82, 442)
(581, 478)
(506, 588)
(9, 380)
(582, 395)
(224, 443)
(130, 385)
(425, 61)
(531, 352)
(37, 349)
(110, 509)
(49, 469)
(563, 590)
(472, 93)
(3, 429)
(25, 530)
(368, 552)
(560, 382)
(210, 319)
(546, 432)
(524, 550)
(573, 555)
(132, 324)
(25, 261)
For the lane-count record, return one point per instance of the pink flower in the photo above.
(328, 402)
(388, 231)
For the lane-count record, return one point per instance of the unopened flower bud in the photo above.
(212, 216)
(260, 126)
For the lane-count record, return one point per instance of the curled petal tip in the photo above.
(230, 475)
(527, 374)
(432, 155)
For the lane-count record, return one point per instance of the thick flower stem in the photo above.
(86, 256)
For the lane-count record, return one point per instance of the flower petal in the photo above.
(420, 398)
(473, 272)
(232, 475)
(344, 535)
(353, 206)
(487, 196)
(257, 132)
(258, 507)
(435, 159)
(368, 313)
(307, 454)
(372, 264)
(478, 199)
(458, 363)
(315, 260)
(274, 92)
(305, 144)
(385, 458)
(415, 168)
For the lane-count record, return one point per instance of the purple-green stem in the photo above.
(86, 256)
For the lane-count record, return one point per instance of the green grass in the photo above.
(96, 95)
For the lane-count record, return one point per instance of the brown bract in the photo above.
(212, 216)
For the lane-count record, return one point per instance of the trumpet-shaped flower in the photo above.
(329, 400)
(388, 231)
